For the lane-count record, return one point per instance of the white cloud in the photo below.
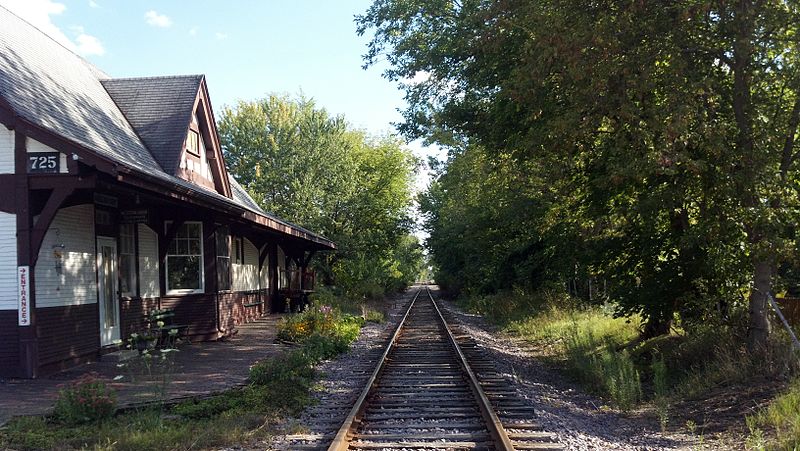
(157, 20)
(220, 36)
(38, 12)
(93, 4)
(89, 45)
(193, 31)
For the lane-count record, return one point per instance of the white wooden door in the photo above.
(107, 281)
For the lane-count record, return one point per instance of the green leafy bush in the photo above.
(84, 400)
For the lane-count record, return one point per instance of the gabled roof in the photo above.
(131, 124)
(55, 89)
(159, 109)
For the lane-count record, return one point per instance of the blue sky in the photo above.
(246, 49)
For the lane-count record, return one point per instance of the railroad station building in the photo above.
(114, 201)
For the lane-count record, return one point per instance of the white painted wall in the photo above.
(148, 262)
(35, 146)
(6, 151)
(245, 274)
(77, 281)
(8, 259)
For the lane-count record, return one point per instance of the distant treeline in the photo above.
(313, 169)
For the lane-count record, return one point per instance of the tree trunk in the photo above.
(759, 328)
(656, 326)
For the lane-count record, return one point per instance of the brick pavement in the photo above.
(200, 369)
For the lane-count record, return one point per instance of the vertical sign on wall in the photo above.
(23, 296)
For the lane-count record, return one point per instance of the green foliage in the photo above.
(315, 170)
(782, 417)
(650, 147)
(660, 390)
(85, 400)
(597, 363)
(374, 316)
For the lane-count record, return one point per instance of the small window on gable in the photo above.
(193, 142)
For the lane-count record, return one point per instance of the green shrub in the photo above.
(85, 400)
(374, 316)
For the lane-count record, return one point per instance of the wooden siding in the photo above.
(149, 286)
(72, 227)
(8, 262)
(198, 311)
(67, 333)
(239, 308)
(9, 344)
(245, 274)
(6, 151)
(37, 147)
(132, 315)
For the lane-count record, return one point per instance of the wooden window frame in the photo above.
(201, 266)
(133, 284)
(229, 238)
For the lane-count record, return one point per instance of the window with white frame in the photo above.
(127, 260)
(184, 262)
(224, 258)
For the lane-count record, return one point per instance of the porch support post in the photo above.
(28, 340)
(272, 249)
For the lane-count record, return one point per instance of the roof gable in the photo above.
(55, 89)
(159, 109)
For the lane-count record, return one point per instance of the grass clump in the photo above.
(782, 417)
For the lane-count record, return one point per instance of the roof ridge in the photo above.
(83, 60)
(157, 77)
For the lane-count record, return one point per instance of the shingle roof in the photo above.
(55, 89)
(51, 87)
(159, 109)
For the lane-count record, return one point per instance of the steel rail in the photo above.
(341, 442)
(501, 440)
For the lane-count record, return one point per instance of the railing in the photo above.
(296, 280)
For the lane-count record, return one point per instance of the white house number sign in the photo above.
(44, 162)
(23, 295)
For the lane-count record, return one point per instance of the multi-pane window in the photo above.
(224, 258)
(127, 260)
(184, 265)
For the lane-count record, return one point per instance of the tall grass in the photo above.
(782, 417)
(597, 363)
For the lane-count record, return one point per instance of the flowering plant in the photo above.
(86, 399)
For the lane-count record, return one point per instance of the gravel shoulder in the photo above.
(579, 420)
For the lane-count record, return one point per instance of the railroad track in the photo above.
(433, 390)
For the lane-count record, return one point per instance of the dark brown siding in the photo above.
(9, 344)
(198, 311)
(67, 333)
(237, 308)
(133, 313)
